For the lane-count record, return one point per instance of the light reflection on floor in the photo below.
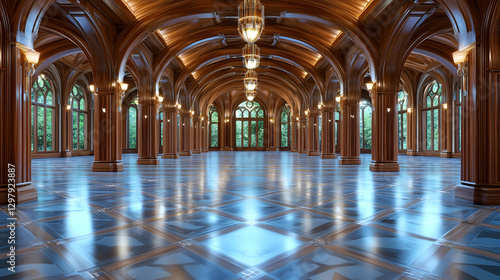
(252, 215)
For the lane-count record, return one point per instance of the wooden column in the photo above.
(227, 135)
(295, 136)
(350, 137)
(303, 135)
(169, 132)
(480, 180)
(197, 135)
(66, 131)
(328, 133)
(271, 136)
(15, 127)
(148, 146)
(447, 129)
(412, 132)
(204, 133)
(185, 134)
(107, 129)
(313, 148)
(385, 132)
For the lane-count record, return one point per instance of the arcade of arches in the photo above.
(164, 80)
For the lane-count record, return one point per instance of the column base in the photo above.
(66, 154)
(148, 161)
(384, 167)
(271, 149)
(411, 153)
(350, 161)
(24, 193)
(328, 156)
(294, 151)
(169, 156)
(107, 166)
(185, 154)
(446, 155)
(481, 195)
(314, 153)
(197, 152)
(226, 149)
(302, 152)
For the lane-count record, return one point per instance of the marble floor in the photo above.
(251, 215)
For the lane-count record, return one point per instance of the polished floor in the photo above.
(252, 215)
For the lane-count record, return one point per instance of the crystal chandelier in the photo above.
(251, 56)
(250, 94)
(251, 80)
(251, 20)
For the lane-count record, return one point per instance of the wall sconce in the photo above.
(227, 120)
(297, 118)
(329, 120)
(410, 110)
(32, 58)
(338, 98)
(192, 113)
(445, 106)
(68, 107)
(320, 105)
(369, 86)
(306, 112)
(353, 116)
(145, 116)
(202, 118)
(272, 120)
(160, 98)
(123, 88)
(460, 59)
(388, 110)
(179, 106)
(92, 88)
(168, 120)
(104, 110)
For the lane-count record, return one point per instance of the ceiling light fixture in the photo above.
(250, 94)
(251, 56)
(251, 20)
(251, 80)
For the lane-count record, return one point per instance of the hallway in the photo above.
(252, 215)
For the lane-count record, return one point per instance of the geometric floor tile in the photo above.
(252, 245)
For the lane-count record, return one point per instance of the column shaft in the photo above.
(349, 138)
(148, 146)
(169, 133)
(385, 133)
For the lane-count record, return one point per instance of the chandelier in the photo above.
(251, 56)
(250, 94)
(251, 20)
(251, 80)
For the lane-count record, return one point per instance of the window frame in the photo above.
(35, 106)
(86, 114)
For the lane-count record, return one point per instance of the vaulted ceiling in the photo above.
(194, 46)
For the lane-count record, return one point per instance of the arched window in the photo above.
(214, 128)
(365, 125)
(132, 125)
(43, 116)
(285, 127)
(79, 118)
(403, 119)
(249, 125)
(431, 115)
